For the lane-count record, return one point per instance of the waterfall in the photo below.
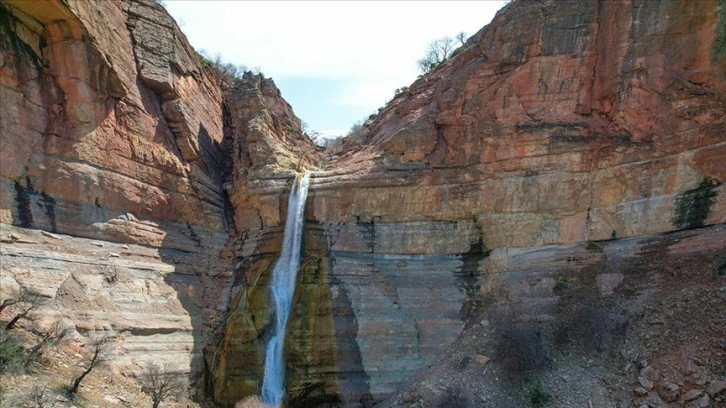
(283, 288)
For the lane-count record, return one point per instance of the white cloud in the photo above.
(372, 46)
(332, 39)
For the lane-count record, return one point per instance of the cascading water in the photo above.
(283, 288)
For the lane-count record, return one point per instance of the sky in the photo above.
(335, 62)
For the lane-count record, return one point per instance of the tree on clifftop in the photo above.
(440, 50)
(436, 53)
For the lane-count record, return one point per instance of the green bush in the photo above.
(537, 395)
(12, 352)
(205, 61)
(591, 245)
(227, 72)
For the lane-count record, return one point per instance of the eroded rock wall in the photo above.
(559, 123)
(112, 142)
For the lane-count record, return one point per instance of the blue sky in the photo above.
(335, 62)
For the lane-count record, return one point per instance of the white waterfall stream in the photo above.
(283, 288)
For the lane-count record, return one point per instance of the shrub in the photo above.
(227, 72)
(520, 350)
(593, 246)
(40, 397)
(560, 287)
(49, 337)
(12, 352)
(537, 395)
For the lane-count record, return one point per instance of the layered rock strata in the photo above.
(558, 123)
(112, 141)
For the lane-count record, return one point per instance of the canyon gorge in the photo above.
(545, 209)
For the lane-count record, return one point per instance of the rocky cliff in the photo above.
(559, 123)
(553, 152)
(112, 142)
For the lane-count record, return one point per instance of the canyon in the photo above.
(563, 170)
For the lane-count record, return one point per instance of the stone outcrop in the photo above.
(112, 135)
(269, 146)
(86, 163)
(562, 137)
(629, 321)
(150, 298)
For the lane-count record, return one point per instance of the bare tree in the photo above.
(25, 303)
(159, 383)
(22, 296)
(217, 59)
(356, 129)
(437, 52)
(40, 397)
(52, 335)
(461, 38)
(97, 355)
(316, 137)
(7, 302)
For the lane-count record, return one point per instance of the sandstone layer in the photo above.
(557, 123)
(112, 136)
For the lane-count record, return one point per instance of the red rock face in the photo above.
(113, 135)
(79, 130)
(562, 121)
